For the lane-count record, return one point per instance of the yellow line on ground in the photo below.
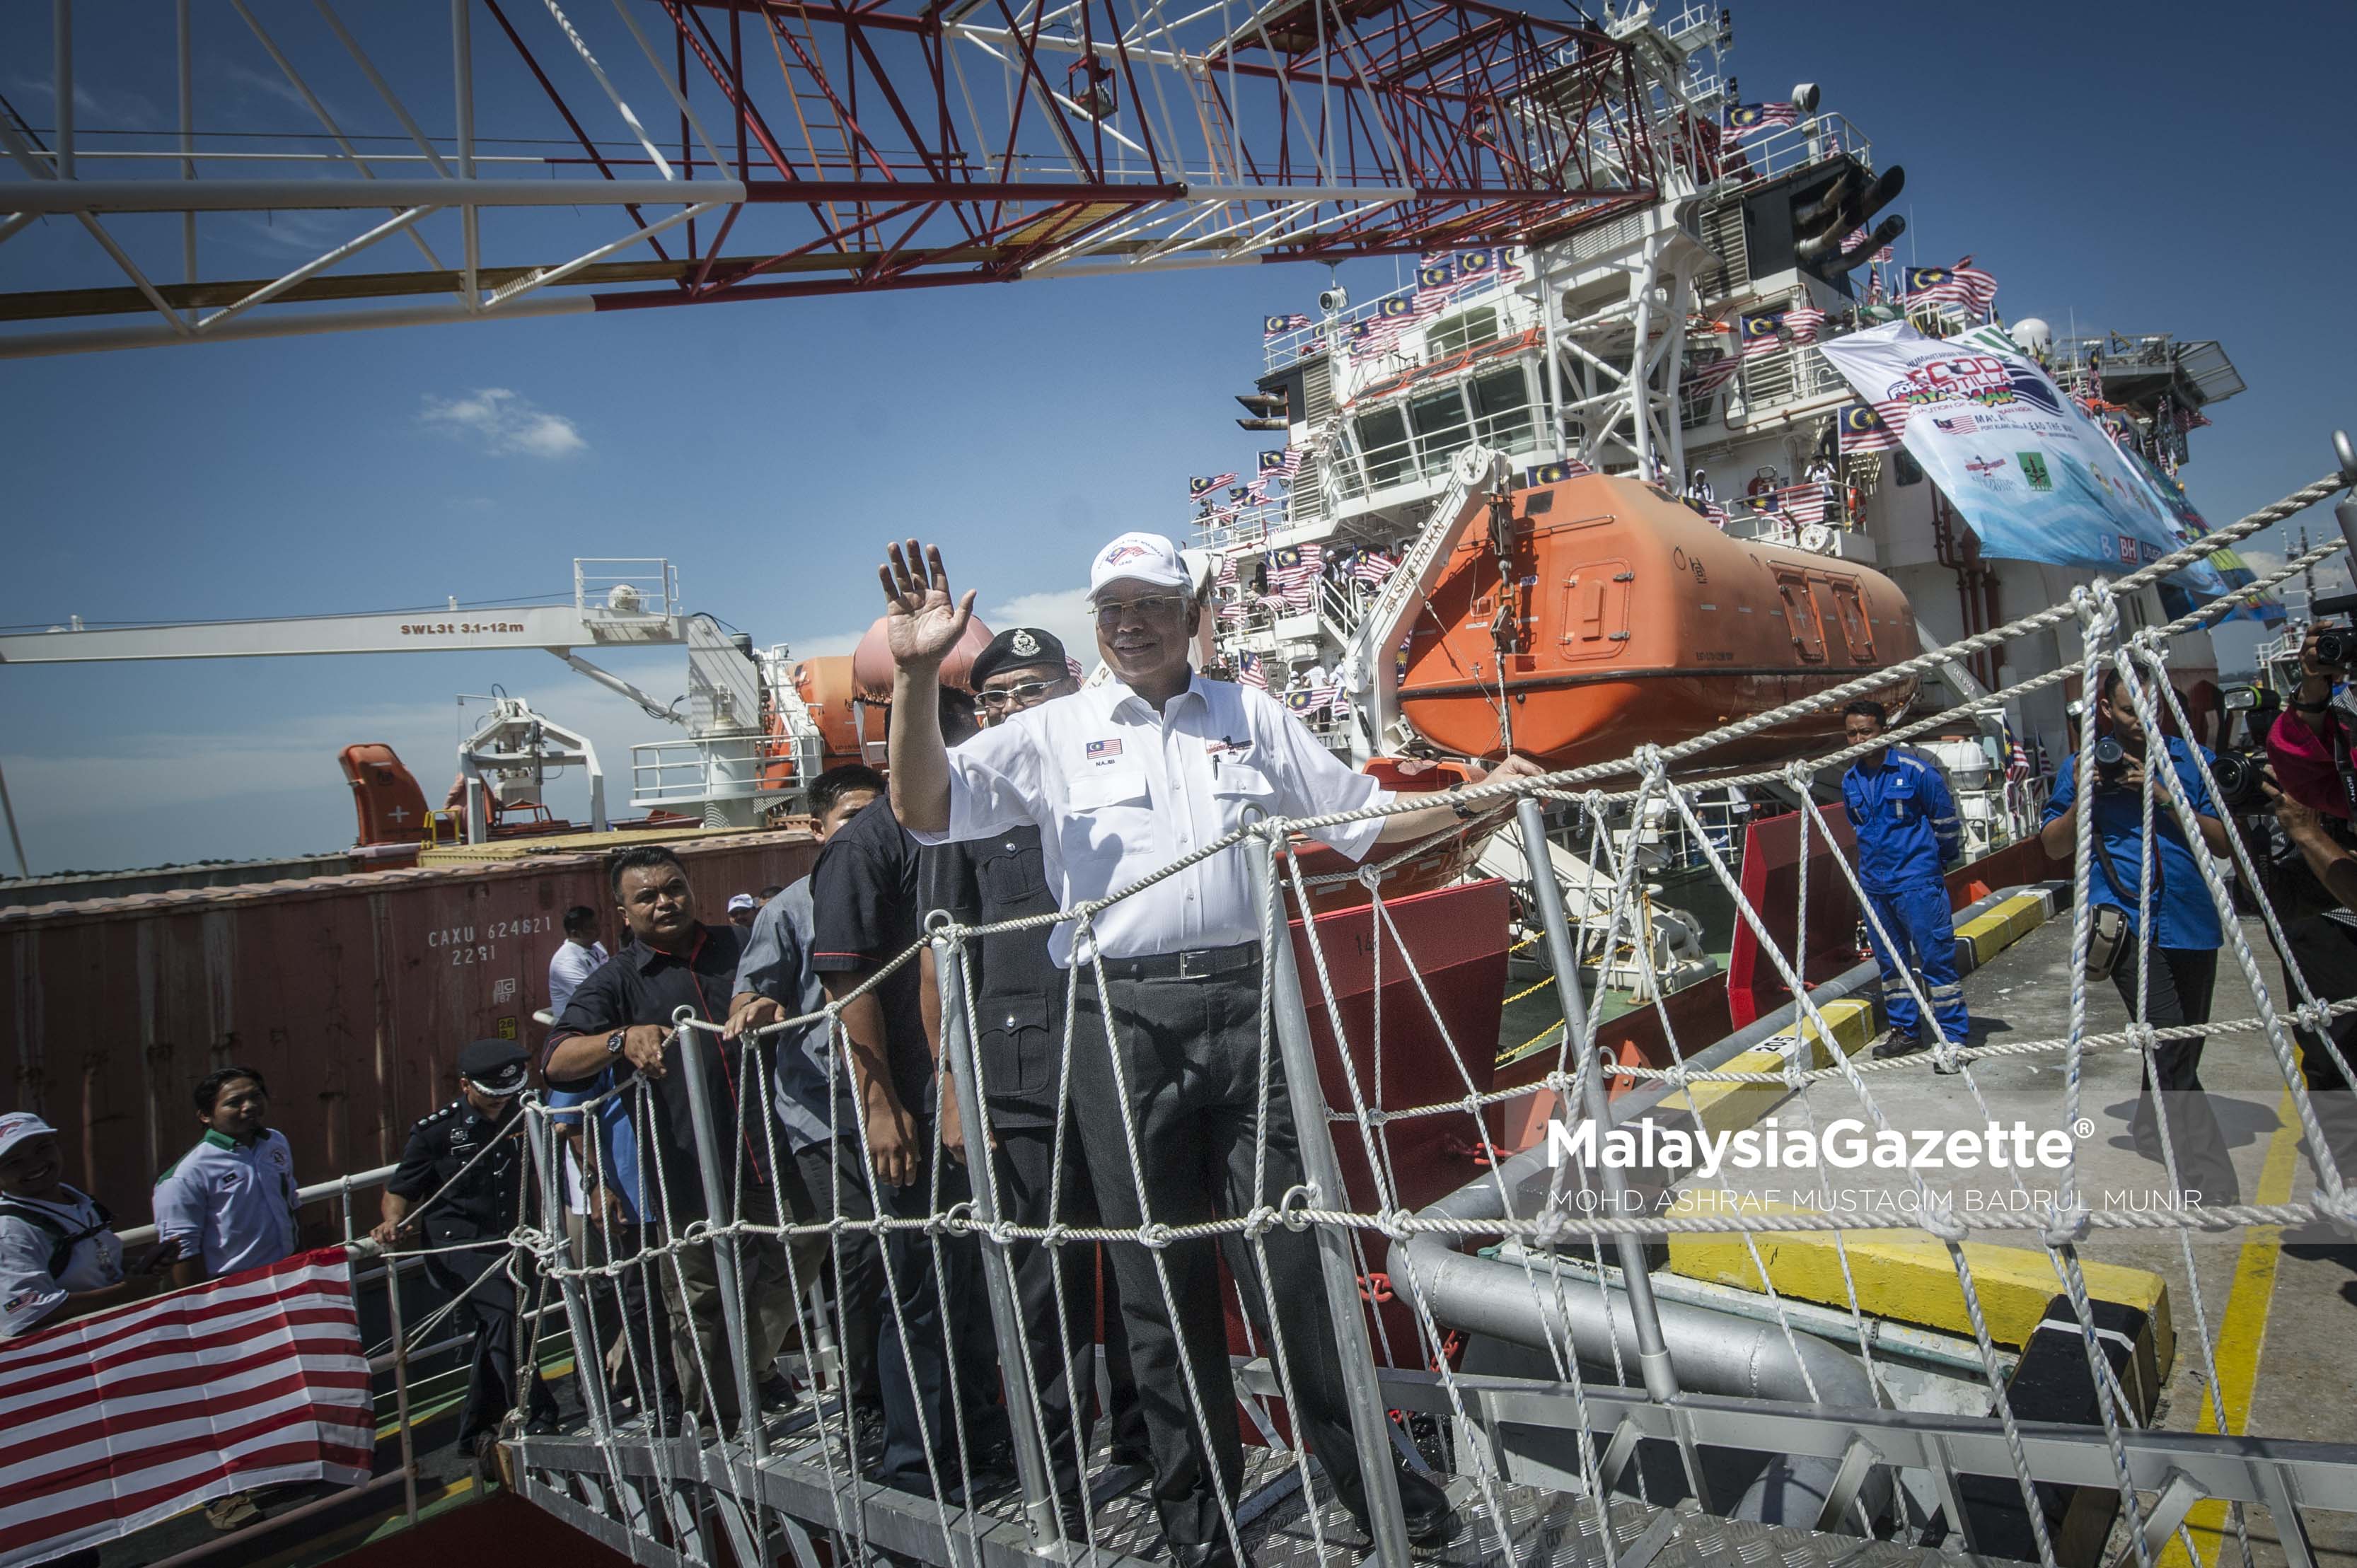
(2242, 1330)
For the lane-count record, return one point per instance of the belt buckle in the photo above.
(1187, 965)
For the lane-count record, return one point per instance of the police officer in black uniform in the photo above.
(479, 1203)
(1018, 1024)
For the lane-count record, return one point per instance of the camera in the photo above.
(2110, 757)
(2336, 646)
(2238, 775)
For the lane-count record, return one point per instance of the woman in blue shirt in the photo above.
(2178, 955)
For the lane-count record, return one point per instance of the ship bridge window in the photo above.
(1383, 446)
(1441, 427)
(1458, 333)
(1501, 411)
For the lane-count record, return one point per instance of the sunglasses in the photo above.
(1113, 610)
(1021, 692)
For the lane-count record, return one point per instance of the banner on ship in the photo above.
(2035, 477)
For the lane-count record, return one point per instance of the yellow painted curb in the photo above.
(1994, 930)
(1724, 1107)
(1909, 1276)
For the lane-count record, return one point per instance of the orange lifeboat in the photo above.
(1627, 618)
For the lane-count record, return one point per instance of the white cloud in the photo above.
(2331, 575)
(1065, 613)
(504, 423)
(841, 642)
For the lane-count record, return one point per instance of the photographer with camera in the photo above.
(2309, 750)
(2173, 961)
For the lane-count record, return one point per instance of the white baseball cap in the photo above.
(743, 901)
(1147, 558)
(18, 1126)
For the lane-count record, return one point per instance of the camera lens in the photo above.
(2237, 774)
(2336, 644)
(2109, 754)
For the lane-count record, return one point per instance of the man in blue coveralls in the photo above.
(1906, 823)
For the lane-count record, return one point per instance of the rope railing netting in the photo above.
(951, 1262)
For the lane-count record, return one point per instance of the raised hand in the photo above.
(922, 622)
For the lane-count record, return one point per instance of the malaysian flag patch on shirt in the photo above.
(1104, 751)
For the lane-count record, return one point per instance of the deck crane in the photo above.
(750, 741)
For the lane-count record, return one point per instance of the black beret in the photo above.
(1017, 649)
(495, 1067)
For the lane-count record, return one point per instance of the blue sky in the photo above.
(2142, 170)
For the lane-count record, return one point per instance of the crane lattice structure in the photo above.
(503, 158)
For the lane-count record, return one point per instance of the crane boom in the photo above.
(556, 628)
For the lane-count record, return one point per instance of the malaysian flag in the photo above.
(1436, 280)
(1874, 285)
(1204, 484)
(1277, 325)
(1858, 237)
(1863, 430)
(1281, 466)
(2017, 765)
(123, 1418)
(1761, 335)
(1556, 473)
(1745, 119)
(1373, 567)
(1803, 503)
(1251, 673)
(1956, 424)
(1962, 285)
(1706, 378)
(1293, 574)
(1803, 321)
(1472, 264)
(1306, 700)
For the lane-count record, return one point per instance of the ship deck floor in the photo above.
(2281, 1308)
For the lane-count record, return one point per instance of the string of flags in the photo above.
(1442, 278)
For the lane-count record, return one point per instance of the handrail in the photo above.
(342, 1185)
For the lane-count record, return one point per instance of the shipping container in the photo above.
(351, 995)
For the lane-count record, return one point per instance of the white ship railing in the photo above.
(626, 586)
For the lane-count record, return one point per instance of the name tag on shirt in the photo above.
(1104, 753)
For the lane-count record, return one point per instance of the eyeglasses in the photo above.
(1021, 692)
(1115, 610)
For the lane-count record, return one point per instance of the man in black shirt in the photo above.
(622, 1014)
(1018, 1026)
(465, 1164)
(865, 912)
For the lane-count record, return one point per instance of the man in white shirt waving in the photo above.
(1122, 779)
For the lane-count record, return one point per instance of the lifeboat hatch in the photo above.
(1800, 610)
(1593, 619)
(1849, 612)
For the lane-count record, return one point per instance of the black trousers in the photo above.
(854, 1269)
(489, 1307)
(923, 1395)
(1190, 1053)
(1030, 1181)
(2325, 949)
(2178, 983)
(631, 1320)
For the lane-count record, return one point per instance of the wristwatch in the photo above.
(615, 1040)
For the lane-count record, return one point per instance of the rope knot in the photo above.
(2066, 1227)
(1394, 1224)
(1939, 1217)
(1058, 1234)
(1153, 1236)
(2340, 1208)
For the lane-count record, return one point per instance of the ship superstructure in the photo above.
(1681, 343)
